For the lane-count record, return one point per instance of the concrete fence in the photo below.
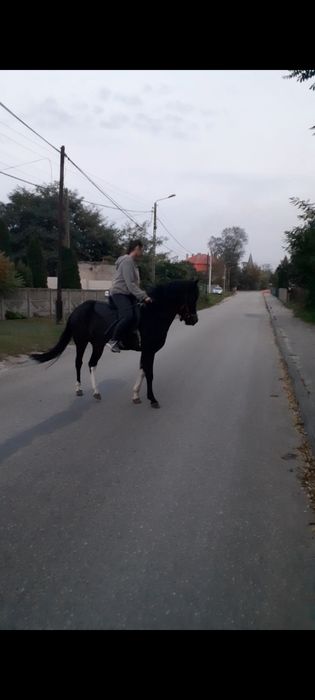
(41, 302)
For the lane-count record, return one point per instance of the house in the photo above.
(93, 275)
(200, 262)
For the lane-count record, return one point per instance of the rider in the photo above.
(125, 292)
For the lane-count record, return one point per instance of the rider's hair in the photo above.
(133, 244)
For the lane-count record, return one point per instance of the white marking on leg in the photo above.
(94, 387)
(137, 386)
(77, 386)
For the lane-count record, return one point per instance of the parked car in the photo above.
(216, 289)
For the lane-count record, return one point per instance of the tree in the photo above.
(36, 263)
(249, 277)
(230, 247)
(301, 247)
(283, 274)
(301, 76)
(70, 277)
(26, 273)
(9, 278)
(4, 239)
(168, 270)
(36, 213)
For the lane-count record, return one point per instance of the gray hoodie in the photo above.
(127, 279)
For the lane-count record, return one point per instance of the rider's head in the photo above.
(135, 248)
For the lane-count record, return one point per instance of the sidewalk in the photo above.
(296, 340)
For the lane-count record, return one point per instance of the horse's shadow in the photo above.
(75, 410)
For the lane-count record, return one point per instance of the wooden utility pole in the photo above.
(153, 245)
(61, 235)
(66, 242)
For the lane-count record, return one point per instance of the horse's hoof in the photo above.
(155, 404)
(79, 392)
(97, 396)
(136, 400)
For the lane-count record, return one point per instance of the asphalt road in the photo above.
(116, 516)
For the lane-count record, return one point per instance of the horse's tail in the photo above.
(58, 348)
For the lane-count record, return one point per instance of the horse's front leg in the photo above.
(147, 366)
(137, 386)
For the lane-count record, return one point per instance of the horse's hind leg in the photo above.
(96, 354)
(78, 364)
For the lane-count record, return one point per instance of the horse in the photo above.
(93, 321)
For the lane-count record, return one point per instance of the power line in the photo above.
(14, 177)
(34, 184)
(29, 127)
(27, 148)
(175, 239)
(103, 193)
(106, 206)
(20, 133)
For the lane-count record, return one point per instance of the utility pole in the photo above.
(61, 234)
(210, 270)
(153, 244)
(66, 242)
(154, 235)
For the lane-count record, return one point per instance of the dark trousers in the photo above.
(128, 313)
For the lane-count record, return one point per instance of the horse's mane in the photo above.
(171, 291)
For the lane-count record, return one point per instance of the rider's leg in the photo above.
(124, 305)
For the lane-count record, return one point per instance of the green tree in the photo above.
(26, 273)
(36, 213)
(249, 277)
(301, 76)
(229, 248)
(36, 263)
(301, 247)
(4, 239)
(70, 277)
(9, 278)
(283, 274)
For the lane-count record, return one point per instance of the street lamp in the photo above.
(210, 269)
(154, 234)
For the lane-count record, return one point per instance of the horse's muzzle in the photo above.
(191, 320)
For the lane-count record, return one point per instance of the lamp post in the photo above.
(154, 234)
(210, 270)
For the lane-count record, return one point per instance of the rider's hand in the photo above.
(148, 300)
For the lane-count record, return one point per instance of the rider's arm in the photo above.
(128, 272)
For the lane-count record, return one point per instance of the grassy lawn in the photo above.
(19, 337)
(207, 300)
(307, 315)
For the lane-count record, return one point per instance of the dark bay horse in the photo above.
(93, 322)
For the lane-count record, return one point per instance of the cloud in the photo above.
(182, 107)
(105, 94)
(164, 89)
(51, 113)
(132, 100)
(150, 123)
(116, 121)
(174, 118)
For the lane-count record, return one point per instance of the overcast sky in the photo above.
(232, 145)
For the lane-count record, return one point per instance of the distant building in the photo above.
(93, 275)
(200, 262)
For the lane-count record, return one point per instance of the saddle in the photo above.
(108, 313)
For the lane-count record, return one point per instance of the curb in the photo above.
(302, 393)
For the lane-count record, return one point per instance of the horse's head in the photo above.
(188, 306)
